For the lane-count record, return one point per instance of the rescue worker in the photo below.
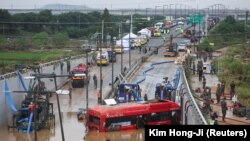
(116, 79)
(193, 68)
(145, 97)
(68, 64)
(145, 50)
(212, 68)
(218, 93)
(208, 89)
(210, 55)
(36, 67)
(200, 72)
(204, 82)
(224, 108)
(223, 83)
(101, 81)
(124, 70)
(116, 91)
(61, 65)
(205, 57)
(95, 81)
(214, 117)
(206, 106)
(88, 79)
(99, 96)
(232, 89)
(128, 94)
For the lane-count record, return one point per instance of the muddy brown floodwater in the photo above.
(74, 130)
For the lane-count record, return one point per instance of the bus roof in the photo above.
(134, 108)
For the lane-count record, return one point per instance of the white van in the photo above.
(159, 25)
(102, 57)
(180, 23)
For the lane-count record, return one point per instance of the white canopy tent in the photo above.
(145, 31)
(123, 43)
(130, 35)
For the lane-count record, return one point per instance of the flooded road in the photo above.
(74, 130)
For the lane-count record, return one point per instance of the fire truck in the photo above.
(78, 75)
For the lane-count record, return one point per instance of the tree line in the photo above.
(28, 30)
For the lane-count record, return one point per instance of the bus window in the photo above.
(176, 117)
(165, 116)
(128, 120)
(94, 120)
(162, 116)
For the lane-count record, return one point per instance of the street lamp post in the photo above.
(163, 10)
(112, 76)
(101, 79)
(129, 43)
(180, 10)
(185, 6)
(170, 12)
(121, 48)
(175, 11)
(59, 108)
(87, 87)
(155, 11)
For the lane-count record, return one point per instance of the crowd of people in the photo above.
(220, 89)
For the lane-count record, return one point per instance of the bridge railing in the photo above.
(190, 109)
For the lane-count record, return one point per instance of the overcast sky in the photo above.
(115, 4)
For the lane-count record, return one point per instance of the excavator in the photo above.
(171, 49)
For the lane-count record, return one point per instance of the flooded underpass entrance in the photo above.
(129, 135)
(74, 130)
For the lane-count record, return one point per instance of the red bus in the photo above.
(133, 115)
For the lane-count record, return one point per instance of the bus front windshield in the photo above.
(94, 120)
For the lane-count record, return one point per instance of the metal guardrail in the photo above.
(132, 69)
(185, 91)
(13, 74)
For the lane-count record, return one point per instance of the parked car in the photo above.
(180, 23)
(182, 46)
(188, 42)
(178, 28)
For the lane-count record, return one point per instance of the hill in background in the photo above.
(65, 7)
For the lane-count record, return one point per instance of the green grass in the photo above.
(237, 70)
(9, 59)
(32, 56)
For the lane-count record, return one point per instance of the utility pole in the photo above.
(121, 46)
(121, 50)
(131, 31)
(175, 11)
(247, 12)
(112, 76)
(101, 76)
(199, 28)
(170, 12)
(59, 109)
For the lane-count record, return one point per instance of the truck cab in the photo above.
(78, 75)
